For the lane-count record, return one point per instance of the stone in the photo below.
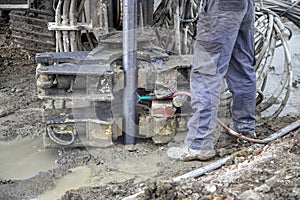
(250, 195)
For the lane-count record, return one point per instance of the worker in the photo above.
(224, 47)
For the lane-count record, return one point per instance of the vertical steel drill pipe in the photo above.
(130, 70)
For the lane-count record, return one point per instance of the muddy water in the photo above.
(140, 169)
(84, 176)
(25, 158)
(78, 177)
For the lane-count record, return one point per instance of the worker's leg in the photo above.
(217, 32)
(218, 26)
(205, 89)
(241, 78)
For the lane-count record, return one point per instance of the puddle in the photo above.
(93, 176)
(84, 176)
(79, 177)
(25, 158)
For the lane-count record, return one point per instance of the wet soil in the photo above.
(270, 172)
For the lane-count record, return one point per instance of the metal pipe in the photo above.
(130, 98)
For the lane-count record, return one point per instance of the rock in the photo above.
(211, 188)
(264, 188)
(250, 195)
(195, 196)
(130, 147)
(222, 152)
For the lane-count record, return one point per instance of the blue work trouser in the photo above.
(224, 48)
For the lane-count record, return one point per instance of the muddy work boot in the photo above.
(184, 153)
(248, 135)
(245, 134)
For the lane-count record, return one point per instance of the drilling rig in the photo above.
(84, 91)
(121, 70)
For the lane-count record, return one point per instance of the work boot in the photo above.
(184, 153)
(246, 134)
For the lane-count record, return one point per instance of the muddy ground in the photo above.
(270, 172)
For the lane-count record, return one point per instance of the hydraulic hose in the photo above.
(153, 97)
(234, 133)
(52, 135)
